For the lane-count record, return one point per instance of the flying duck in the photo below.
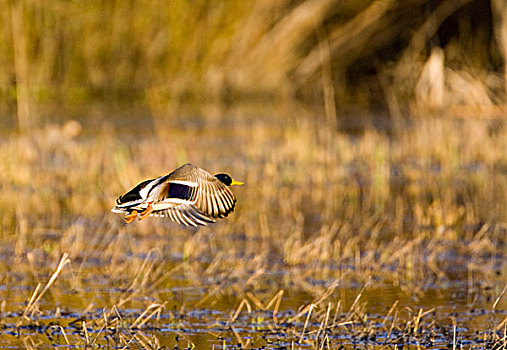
(189, 196)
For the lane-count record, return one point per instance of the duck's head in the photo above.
(228, 180)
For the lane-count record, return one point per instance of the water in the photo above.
(191, 318)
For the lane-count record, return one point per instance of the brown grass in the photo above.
(353, 55)
(408, 206)
(423, 207)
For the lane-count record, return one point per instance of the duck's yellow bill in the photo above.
(236, 183)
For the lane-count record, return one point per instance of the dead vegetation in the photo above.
(319, 215)
(410, 58)
(390, 235)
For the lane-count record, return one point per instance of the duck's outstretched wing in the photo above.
(194, 202)
(208, 194)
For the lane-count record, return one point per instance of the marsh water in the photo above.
(458, 312)
(292, 268)
(199, 308)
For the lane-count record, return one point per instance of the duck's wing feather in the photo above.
(194, 186)
(184, 214)
(213, 197)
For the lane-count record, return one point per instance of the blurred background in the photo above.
(370, 134)
(350, 59)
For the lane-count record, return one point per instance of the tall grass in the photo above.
(366, 201)
(318, 214)
(355, 54)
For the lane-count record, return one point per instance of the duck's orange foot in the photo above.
(146, 211)
(130, 217)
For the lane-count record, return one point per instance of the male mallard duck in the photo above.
(189, 196)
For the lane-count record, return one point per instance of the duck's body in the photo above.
(189, 196)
